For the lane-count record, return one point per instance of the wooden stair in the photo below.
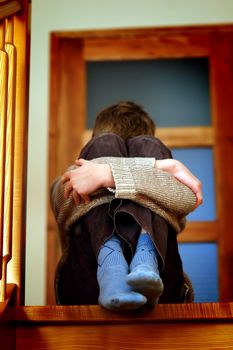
(186, 326)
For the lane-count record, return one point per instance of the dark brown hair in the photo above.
(126, 119)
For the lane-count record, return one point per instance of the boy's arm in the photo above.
(183, 174)
(138, 179)
(63, 204)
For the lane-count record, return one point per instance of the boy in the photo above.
(122, 214)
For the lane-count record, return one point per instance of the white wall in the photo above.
(51, 15)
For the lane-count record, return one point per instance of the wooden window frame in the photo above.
(70, 51)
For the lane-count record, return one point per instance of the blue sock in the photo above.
(144, 273)
(115, 293)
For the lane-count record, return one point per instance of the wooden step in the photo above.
(186, 326)
(190, 326)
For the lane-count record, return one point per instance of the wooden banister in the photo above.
(13, 138)
(10, 134)
(3, 115)
(10, 50)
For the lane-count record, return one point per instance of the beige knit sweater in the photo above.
(136, 179)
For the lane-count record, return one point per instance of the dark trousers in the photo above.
(75, 281)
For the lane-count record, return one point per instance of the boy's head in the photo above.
(126, 119)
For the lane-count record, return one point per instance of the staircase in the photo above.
(186, 326)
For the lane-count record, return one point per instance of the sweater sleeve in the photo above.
(139, 180)
(57, 199)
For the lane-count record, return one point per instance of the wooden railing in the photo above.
(13, 137)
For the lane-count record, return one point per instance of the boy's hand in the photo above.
(183, 174)
(86, 179)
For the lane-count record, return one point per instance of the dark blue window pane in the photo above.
(200, 162)
(200, 263)
(174, 92)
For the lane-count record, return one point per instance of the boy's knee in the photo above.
(104, 145)
(147, 146)
(106, 136)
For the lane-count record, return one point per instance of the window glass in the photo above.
(200, 264)
(200, 162)
(174, 91)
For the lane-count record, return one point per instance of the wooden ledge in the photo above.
(86, 314)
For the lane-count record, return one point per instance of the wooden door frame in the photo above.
(69, 53)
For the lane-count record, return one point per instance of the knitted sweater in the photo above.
(136, 179)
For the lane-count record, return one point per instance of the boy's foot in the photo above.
(115, 293)
(147, 282)
(118, 296)
(144, 273)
